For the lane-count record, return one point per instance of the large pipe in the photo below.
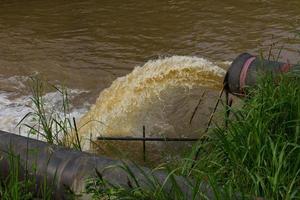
(71, 168)
(245, 68)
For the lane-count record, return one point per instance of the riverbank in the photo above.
(257, 155)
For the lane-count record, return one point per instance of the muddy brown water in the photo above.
(87, 44)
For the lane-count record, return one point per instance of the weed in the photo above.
(54, 125)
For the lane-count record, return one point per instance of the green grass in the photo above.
(53, 125)
(257, 155)
(146, 185)
(19, 184)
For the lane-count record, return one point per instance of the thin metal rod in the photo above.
(144, 144)
(149, 139)
(204, 137)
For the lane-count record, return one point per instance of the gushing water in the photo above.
(161, 95)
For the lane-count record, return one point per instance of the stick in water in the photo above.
(196, 108)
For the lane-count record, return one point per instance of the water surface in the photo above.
(86, 45)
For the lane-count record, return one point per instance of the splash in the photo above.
(161, 95)
(16, 103)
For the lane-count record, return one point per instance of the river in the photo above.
(86, 45)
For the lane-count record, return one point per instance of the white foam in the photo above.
(14, 107)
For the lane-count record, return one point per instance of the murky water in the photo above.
(87, 44)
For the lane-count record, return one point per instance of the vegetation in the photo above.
(256, 155)
(48, 123)
(52, 124)
(17, 186)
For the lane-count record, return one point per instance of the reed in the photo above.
(50, 123)
(258, 154)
